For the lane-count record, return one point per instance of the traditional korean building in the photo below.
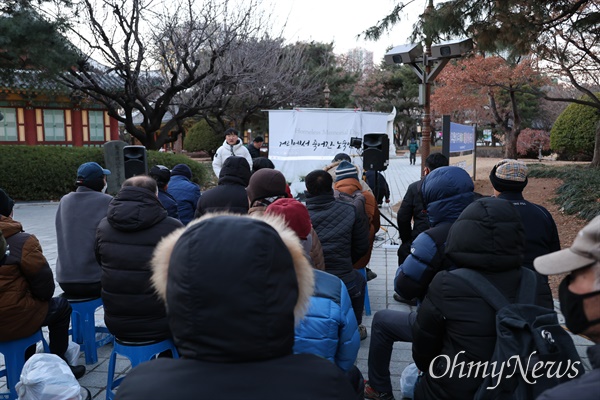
(43, 112)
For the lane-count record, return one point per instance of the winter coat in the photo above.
(126, 238)
(254, 152)
(230, 194)
(446, 191)
(351, 186)
(244, 330)
(413, 147)
(488, 237)
(225, 151)
(26, 283)
(583, 388)
(169, 203)
(329, 328)
(343, 238)
(77, 218)
(412, 219)
(541, 235)
(186, 193)
(380, 188)
(315, 250)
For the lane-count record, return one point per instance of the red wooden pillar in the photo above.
(114, 129)
(77, 127)
(30, 127)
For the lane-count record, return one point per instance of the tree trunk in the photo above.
(510, 143)
(596, 160)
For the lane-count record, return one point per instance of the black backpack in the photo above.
(528, 335)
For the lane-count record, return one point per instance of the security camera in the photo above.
(404, 54)
(451, 49)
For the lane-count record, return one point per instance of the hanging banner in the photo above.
(302, 140)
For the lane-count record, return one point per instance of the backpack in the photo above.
(358, 201)
(536, 352)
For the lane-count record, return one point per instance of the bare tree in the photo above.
(269, 75)
(163, 58)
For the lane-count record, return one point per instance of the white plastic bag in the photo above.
(47, 377)
(72, 353)
(408, 380)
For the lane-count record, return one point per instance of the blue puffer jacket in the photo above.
(168, 203)
(329, 329)
(186, 194)
(447, 191)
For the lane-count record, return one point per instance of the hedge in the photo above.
(39, 173)
(580, 191)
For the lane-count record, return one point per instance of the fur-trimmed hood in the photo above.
(234, 286)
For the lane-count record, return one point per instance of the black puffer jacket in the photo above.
(231, 194)
(487, 237)
(135, 223)
(412, 219)
(343, 236)
(232, 317)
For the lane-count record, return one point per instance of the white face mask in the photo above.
(104, 188)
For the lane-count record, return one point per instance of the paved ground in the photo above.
(39, 219)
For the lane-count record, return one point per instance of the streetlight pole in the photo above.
(326, 94)
(426, 130)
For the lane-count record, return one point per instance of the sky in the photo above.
(341, 21)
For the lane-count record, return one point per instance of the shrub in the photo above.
(33, 173)
(201, 137)
(574, 132)
(530, 141)
(580, 190)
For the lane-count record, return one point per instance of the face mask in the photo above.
(104, 188)
(571, 305)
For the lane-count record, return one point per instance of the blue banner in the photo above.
(462, 137)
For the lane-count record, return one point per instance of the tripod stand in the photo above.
(391, 224)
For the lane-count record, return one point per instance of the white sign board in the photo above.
(303, 140)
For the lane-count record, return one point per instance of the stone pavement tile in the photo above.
(93, 379)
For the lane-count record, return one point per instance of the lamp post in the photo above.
(427, 62)
(426, 130)
(326, 94)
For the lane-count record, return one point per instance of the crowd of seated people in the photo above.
(285, 303)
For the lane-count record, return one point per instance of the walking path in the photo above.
(38, 218)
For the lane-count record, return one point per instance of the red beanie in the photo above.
(294, 213)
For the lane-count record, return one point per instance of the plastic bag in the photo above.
(47, 377)
(408, 380)
(72, 353)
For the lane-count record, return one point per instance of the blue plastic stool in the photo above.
(14, 359)
(363, 271)
(137, 353)
(83, 326)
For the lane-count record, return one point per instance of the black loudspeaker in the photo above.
(134, 161)
(376, 151)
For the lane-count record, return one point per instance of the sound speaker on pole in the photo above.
(376, 147)
(134, 161)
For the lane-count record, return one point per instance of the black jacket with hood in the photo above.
(125, 239)
(487, 237)
(230, 195)
(232, 316)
